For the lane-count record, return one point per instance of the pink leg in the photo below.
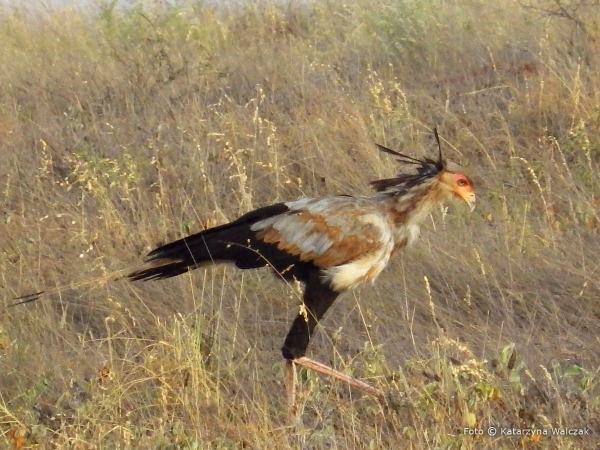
(291, 381)
(326, 370)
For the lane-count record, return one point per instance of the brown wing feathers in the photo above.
(320, 239)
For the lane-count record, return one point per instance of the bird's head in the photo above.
(450, 178)
(454, 181)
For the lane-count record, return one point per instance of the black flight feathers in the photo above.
(426, 168)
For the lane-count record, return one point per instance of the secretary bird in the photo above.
(332, 244)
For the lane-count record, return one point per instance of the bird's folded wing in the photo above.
(328, 232)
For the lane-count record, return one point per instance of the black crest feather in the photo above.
(426, 168)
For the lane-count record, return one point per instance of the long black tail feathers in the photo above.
(27, 299)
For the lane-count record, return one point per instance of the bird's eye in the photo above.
(462, 182)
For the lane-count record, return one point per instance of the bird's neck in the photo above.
(415, 204)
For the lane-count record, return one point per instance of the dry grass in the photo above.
(121, 130)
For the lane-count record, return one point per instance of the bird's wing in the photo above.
(329, 231)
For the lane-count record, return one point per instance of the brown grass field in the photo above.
(123, 129)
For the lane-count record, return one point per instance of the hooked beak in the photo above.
(470, 198)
